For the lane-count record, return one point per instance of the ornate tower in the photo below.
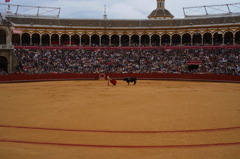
(160, 12)
(105, 13)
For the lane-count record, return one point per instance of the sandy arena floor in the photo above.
(90, 120)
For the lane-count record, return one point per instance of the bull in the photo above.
(130, 79)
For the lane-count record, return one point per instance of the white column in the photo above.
(31, 40)
(223, 40)
(20, 39)
(120, 41)
(50, 40)
(40, 38)
(80, 40)
(90, 41)
(59, 40)
(160, 42)
(212, 40)
(140, 39)
(191, 40)
(171, 40)
(234, 39)
(181, 40)
(130, 39)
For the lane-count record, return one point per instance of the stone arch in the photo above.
(45, 39)
(55, 39)
(155, 40)
(35, 39)
(176, 40)
(207, 38)
(3, 64)
(25, 39)
(228, 38)
(186, 39)
(237, 38)
(95, 40)
(145, 40)
(65, 39)
(165, 40)
(115, 40)
(135, 40)
(75, 39)
(125, 40)
(105, 40)
(197, 39)
(217, 38)
(85, 40)
(3, 37)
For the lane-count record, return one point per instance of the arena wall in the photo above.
(119, 76)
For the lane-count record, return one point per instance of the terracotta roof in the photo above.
(111, 23)
(160, 12)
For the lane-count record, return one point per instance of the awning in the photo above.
(194, 62)
(15, 31)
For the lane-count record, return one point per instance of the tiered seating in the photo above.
(201, 61)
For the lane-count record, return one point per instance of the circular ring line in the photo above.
(112, 131)
(122, 146)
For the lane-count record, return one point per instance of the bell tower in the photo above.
(160, 12)
(160, 3)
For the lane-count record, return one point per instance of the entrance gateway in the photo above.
(3, 64)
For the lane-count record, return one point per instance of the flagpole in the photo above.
(8, 4)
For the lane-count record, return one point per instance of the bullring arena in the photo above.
(88, 119)
(56, 102)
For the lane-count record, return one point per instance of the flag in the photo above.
(7, 1)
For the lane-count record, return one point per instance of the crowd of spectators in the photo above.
(203, 61)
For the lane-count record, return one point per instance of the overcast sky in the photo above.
(118, 9)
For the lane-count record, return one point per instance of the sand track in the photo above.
(153, 119)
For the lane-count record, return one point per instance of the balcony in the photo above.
(6, 47)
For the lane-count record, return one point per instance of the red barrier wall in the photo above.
(150, 76)
(149, 47)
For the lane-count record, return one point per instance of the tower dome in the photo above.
(160, 12)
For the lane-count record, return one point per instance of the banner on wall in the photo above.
(15, 31)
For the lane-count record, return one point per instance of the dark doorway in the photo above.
(3, 64)
(2, 37)
(193, 67)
